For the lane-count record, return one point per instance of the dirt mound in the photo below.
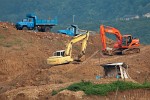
(137, 94)
(23, 63)
(32, 92)
(67, 95)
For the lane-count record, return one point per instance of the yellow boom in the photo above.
(64, 56)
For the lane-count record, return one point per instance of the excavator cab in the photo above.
(126, 40)
(59, 53)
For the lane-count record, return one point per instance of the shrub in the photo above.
(54, 92)
(103, 89)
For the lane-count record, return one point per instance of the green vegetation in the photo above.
(54, 92)
(2, 36)
(11, 43)
(84, 11)
(103, 89)
(88, 14)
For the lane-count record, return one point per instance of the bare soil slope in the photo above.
(25, 74)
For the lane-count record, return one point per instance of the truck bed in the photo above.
(46, 22)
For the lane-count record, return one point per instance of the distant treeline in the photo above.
(82, 10)
(88, 14)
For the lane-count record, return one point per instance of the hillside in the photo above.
(88, 14)
(25, 74)
(84, 11)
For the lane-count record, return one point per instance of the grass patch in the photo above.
(103, 89)
(54, 92)
(11, 43)
(2, 36)
(7, 44)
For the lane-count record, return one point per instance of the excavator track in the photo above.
(130, 51)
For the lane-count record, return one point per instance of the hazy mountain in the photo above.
(88, 14)
(84, 10)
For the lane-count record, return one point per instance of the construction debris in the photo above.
(118, 70)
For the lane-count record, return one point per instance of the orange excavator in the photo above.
(125, 44)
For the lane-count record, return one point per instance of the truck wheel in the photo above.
(24, 28)
(36, 29)
(47, 29)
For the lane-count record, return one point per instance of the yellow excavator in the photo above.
(65, 56)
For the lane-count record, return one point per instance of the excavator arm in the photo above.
(64, 56)
(84, 38)
(111, 30)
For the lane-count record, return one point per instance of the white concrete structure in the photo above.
(116, 70)
(147, 15)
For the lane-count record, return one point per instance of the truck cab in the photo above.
(72, 30)
(27, 23)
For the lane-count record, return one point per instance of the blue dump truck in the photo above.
(33, 23)
(72, 30)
